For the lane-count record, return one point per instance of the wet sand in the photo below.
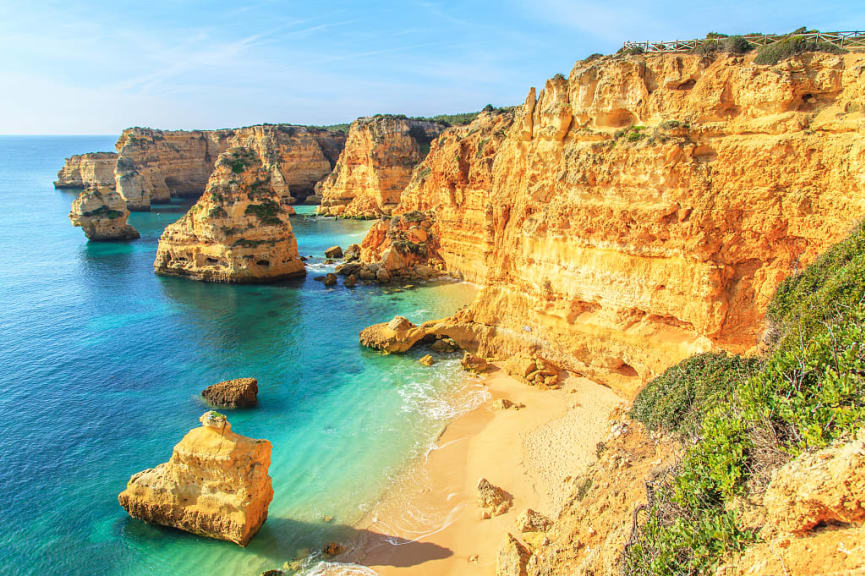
(432, 517)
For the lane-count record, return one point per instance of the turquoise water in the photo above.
(103, 363)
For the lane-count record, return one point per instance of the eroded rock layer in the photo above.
(239, 230)
(646, 207)
(215, 484)
(375, 166)
(154, 165)
(92, 169)
(101, 212)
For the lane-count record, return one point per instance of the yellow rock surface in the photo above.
(646, 207)
(215, 484)
(101, 212)
(154, 165)
(376, 164)
(83, 170)
(239, 230)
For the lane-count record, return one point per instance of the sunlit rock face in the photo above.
(156, 165)
(646, 207)
(216, 484)
(375, 166)
(101, 212)
(83, 170)
(239, 230)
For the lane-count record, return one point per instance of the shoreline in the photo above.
(429, 522)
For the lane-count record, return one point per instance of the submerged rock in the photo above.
(102, 213)
(237, 393)
(330, 279)
(215, 484)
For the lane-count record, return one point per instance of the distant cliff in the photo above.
(83, 170)
(154, 165)
(375, 166)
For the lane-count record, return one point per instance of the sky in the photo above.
(98, 67)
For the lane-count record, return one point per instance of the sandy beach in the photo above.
(431, 520)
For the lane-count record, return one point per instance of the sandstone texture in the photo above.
(645, 208)
(215, 484)
(492, 500)
(237, 393)
(239, 230)
(84, 170)
(375, 166)
(101, 212)
(813, 515)
(444, 213)
(155, 165)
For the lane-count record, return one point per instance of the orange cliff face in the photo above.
(84, 170)
(239, 230)
(375, 166)
(646, 207)
(155, 165)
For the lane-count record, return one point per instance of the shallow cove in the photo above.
(104, 362)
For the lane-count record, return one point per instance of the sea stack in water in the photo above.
(376, 164)
(238, 231)
(102, 213)
(237, 393)
(215, 484)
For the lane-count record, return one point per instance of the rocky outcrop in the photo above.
(239, 230)
(492, 500)
(512, 558)
(101, 213)
(375, 166)
(237, 393)
(444, 213)
(155, 165)
(83, 170)
(813, 517)
(645, 208)
(215, 484)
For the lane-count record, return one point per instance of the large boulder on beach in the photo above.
(493, 500)
(215, 484)
(237, 393)
(474, 363)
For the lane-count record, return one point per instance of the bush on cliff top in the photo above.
(790, 46)
(809, 392)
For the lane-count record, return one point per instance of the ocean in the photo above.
(103, 363)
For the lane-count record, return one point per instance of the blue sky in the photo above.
(97, 67)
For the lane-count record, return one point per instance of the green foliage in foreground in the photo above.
(753, 416)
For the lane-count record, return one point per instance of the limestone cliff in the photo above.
(101, 212)
(375, 166)
(646, 207)
(239, 230)
(448, 191)
(92, 169)
(215, 484)
(154, 165)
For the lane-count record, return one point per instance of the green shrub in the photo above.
(677, 400)
(809, 392)
(217, 212)
(722, 43)
(267, 212)
(790, 46)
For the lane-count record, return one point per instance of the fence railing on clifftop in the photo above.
(851, 39)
